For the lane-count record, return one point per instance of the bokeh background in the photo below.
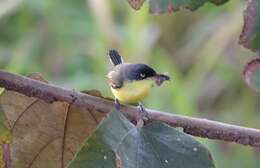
(67, 42)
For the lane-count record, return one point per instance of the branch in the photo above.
(190, 125)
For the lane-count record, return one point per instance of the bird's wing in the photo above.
(114, 79)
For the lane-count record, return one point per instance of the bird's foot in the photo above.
(117, 104)
(143, 116)
(143, 112)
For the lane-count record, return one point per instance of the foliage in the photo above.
(45, 135)
(250, 37)
(152, 146)
(163, 6)
(252, 73)
(49, 135)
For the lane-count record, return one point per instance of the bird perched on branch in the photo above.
(131, 83)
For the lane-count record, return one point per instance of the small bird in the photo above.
(131, 83)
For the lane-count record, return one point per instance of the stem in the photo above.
(194, 126)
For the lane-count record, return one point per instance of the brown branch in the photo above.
(193, 126)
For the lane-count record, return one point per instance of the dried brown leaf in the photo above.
(46, 135)
(136, 4)
(96, 93)
(38, 77)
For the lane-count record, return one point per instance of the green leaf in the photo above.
(252, 74)
(250, 36)
(163, 6)
(94, 153)
(155, 145)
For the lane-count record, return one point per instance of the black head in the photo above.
(138, 71)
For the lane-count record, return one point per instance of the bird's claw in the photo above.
(143, 115)
(143, 112)
(117, 105)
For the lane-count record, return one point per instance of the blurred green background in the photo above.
(67, 42)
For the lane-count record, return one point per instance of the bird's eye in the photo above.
(142, 75)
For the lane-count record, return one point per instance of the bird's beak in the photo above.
(160, 78)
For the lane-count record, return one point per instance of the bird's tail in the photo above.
(115, 58)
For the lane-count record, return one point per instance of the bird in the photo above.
(130, 83)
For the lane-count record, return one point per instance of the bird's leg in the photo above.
(143, 111)
(117, 104)
(143, 115)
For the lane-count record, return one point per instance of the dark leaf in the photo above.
(250, 36)
(155, 145)
(164, 6)
(252, 74)
(94, 154)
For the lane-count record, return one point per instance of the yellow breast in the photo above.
(134, 91)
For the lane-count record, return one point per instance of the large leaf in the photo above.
(155, 145)
(95, 153)
(163, 6)
(252, 74)
(250, 36)
(43, 134)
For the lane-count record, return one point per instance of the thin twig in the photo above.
(194, 126)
